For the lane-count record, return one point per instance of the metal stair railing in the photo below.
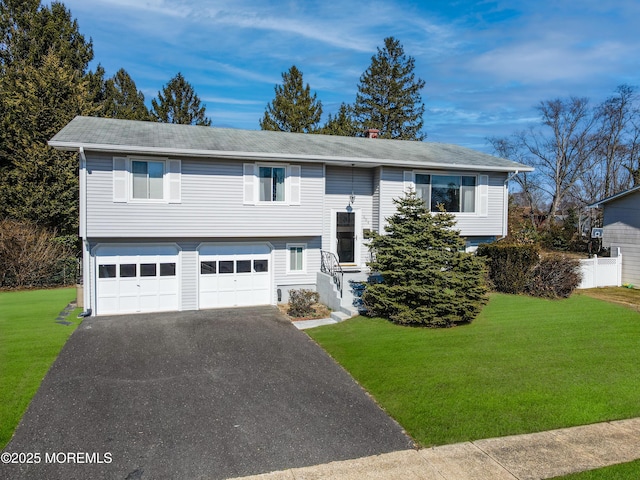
(330, 265)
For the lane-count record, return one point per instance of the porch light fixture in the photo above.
(352, 197)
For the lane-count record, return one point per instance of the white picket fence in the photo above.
(602, 271)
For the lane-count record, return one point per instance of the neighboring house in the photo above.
(178, 217)
(621, 222)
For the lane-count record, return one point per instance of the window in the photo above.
(456, 193)
(296, 258)
(128, 270)
(106, 271)
(226, 266)
(260, 266)
(147, 269)
(243, 266)
(207, 268)
(272, 184)
(147, 179)
(167, 269)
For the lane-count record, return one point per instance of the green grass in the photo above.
(30, 341)
(623, 471)
(524, 365)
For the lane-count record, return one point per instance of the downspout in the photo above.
(505, 202)
(86, 254)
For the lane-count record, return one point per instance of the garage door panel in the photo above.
(145, 279)
(167, 286)
(242, 272)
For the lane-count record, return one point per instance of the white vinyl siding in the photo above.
(188, 270)
(296, 259)
(622, 229)
(489, 216)
(211, 203)
(340, 182)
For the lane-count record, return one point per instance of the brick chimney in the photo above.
(371, 133)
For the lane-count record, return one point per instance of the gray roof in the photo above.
(615, 197)
(135, 137)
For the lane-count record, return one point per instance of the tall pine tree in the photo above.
(40, 183)
(428, 279)
(43, 85)
(293, 108)
(179, 103)
(342, 123)
(389, 95)
(29, 31)
(122, 99)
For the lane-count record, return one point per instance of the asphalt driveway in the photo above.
(207, 394)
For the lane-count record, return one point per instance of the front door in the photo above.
(346, 236)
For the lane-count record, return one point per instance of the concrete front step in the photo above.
(340, 316)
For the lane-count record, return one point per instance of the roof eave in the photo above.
(238, 155)
(614, 197)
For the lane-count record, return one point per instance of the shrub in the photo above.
(31, 256)
(555, 276)
(428, 279)
(509, 265)
(301, 302)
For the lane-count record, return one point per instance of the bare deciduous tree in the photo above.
(28, 254)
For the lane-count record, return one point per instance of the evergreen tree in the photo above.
(179, 103)
(389, 95)
(96, 86)
(293, 108)
(40, 184)
(29, 31)
(428, 279)
(123, 99)
(43, 84)
(342, 124)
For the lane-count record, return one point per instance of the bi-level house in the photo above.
(178, 217)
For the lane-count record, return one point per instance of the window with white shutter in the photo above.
(138, 179)
(120, 179)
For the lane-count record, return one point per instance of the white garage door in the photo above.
(234, 275)
(133, 279)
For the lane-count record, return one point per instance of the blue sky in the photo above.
(486, 64)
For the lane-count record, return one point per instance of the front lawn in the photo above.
(622, 471)
(524, 365)
(30, 340)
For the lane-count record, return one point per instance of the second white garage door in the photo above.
(234, 275)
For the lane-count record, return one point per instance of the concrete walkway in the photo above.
(533, 456)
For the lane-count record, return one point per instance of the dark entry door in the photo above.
(346, 236)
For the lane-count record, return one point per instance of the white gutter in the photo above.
(236, 155)
(86, 254)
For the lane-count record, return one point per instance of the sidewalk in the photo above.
(533, 456)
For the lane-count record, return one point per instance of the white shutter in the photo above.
(409, 184)
(294, 184)
(483, 195)
(249, 175)
(120, 179)
(174, 174)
